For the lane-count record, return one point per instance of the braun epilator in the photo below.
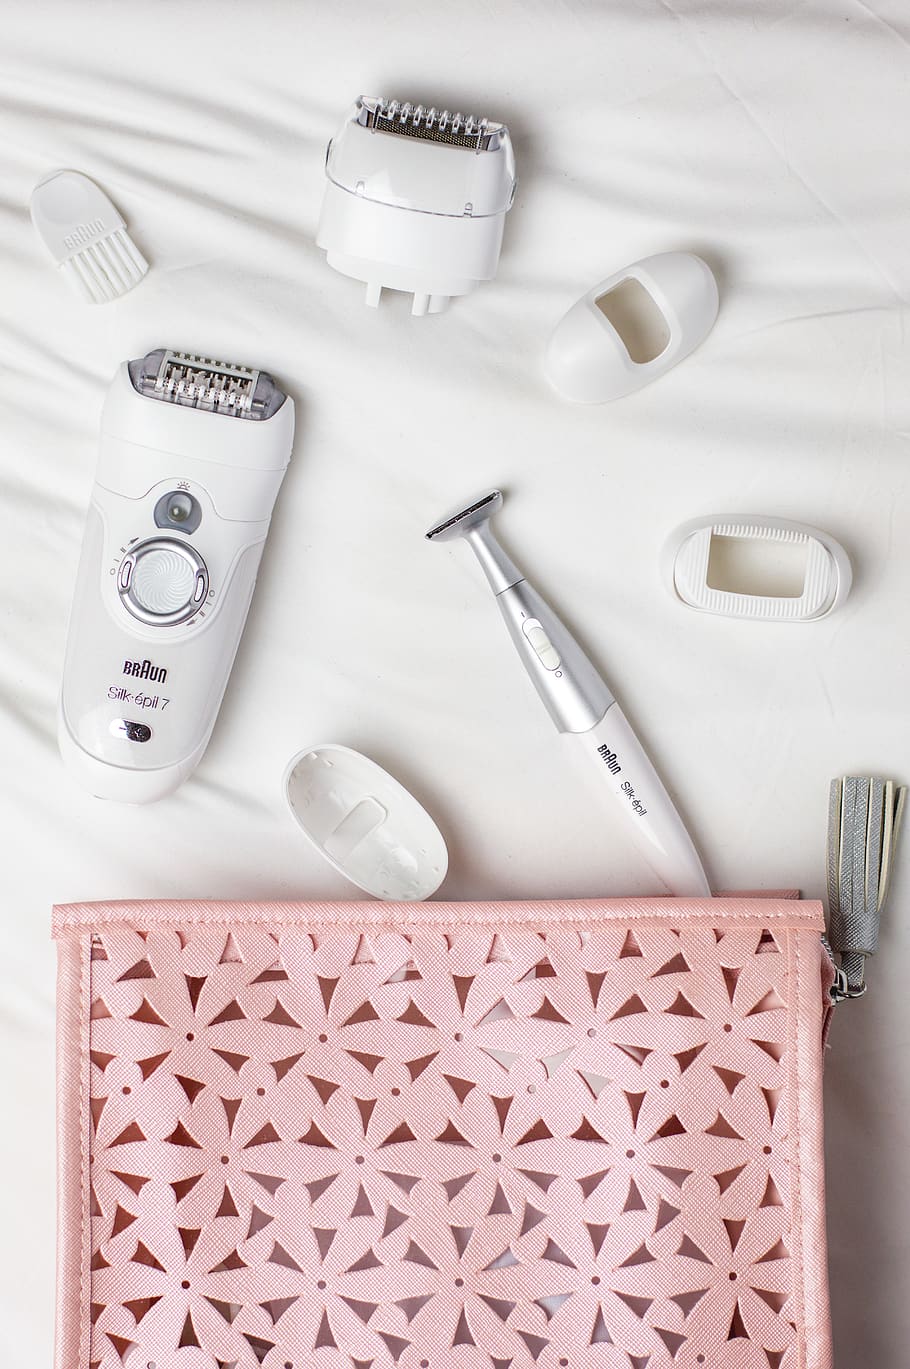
(191, 458)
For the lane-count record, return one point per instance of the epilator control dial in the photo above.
(162, 581)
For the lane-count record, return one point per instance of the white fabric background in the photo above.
(769, 136)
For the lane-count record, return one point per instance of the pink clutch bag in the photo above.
(584, 1135)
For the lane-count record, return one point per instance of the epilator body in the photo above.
(192, 455)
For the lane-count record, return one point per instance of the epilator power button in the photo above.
(162, 581)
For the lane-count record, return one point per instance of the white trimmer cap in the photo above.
(366, 825)
(86, 236)
(632, 328)
(755, 566)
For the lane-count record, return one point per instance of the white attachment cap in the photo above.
(754, 566)
(367, 825)
(86, 236)
(632, 327)
(415, 200)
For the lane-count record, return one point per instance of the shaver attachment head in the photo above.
(415, 200)
(197, 382)
(467, 520)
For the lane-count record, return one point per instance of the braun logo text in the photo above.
(609, 760)
(83, 234)
(144, 670)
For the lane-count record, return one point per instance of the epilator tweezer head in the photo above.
(198, 382)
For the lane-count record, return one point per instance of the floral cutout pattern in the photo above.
(507, 1149)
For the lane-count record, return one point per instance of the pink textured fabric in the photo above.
(363, 1136)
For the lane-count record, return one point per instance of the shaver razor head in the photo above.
(460, 524)
(430, 124)
(197, 382)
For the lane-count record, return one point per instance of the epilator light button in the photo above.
(543, 648)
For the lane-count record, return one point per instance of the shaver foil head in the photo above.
(433, 125)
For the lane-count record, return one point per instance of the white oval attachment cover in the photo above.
(632, 328)
(366, 824)
(756, 566)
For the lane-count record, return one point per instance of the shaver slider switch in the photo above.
(543, 648)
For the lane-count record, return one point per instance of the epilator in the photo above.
(580, 703)
(192, 455)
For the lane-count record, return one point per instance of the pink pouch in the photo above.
(497, 1136)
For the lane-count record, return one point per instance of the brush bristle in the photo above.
(107, 268)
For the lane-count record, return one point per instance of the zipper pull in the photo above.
(864, 815)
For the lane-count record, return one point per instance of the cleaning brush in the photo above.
(864, 815)
(86, 236)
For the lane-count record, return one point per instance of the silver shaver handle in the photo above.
(575, 694)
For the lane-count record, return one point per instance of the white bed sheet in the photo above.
(771, 137)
